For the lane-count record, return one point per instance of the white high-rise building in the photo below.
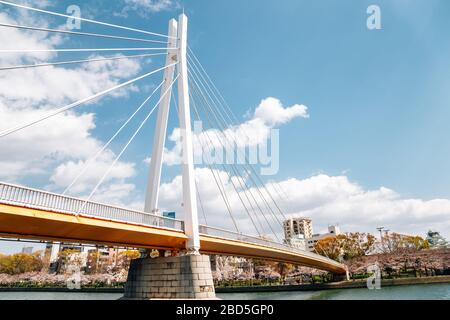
(295, 226)
(296, 230)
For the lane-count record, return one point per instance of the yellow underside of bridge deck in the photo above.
(26, 223)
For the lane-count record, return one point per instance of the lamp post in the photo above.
(380, 229)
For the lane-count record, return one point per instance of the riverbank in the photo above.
(64, 290)
(336, 285)
(284, 288)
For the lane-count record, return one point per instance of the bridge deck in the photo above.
(35, 214)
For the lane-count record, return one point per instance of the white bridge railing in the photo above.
(38, 199)
(231, 235)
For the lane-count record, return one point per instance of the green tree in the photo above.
(125, 258)
(396, 242)
(330, 247)
(346, 246)
(284, 268)
(21, 263)
(357, 244)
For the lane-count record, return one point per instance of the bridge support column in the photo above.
(342, 277)
(189, 188)
(183, 277)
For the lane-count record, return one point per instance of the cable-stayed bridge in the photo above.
(37, 214)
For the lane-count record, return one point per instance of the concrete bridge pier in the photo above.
(342, 276)
(182, 277)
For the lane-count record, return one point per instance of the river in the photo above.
(411, 292)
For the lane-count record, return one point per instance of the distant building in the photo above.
(333, 231)
(295, 226)
(100, 257)
(171, 215)
(436, 241)
(296, 231)
(89, 257)
(27, 250)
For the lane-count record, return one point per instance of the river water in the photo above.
(412, 292)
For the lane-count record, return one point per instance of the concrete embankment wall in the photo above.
(306, 287)
(336, 285)
(85, 290)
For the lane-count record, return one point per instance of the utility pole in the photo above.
(386, 235)
(380, 229)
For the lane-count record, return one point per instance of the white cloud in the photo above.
(65, 142)
(171, 194)
(326, 199)
(55, 86)
(35, 3)
(272, 112)
(11, 38)
(65, 173)
(34, 150)
(28, 94)
(118, 193)
(145, 7)
(331, 200)
(253, 132)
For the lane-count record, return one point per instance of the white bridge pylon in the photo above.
(178, 39)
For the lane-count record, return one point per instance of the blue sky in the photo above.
(377, 99)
